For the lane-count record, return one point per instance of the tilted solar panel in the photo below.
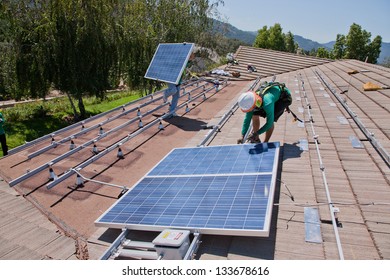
(169, 62)
(198, 197)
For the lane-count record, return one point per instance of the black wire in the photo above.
(291, 196)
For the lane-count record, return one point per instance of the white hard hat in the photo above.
(247, 101)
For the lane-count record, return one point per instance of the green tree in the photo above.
(374, 50)
(339, 47)
(312, 52)
(29, 44)
(83, 47)
(359, 46)
(322, 53)
(7, 57)
(4, 22)
(145, 24)
(273, 38)
(261, 40)
(277, 38)
(291, 45)
(356, 42)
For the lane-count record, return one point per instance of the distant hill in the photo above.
(231, 32)
(248, 37)
(385, 52)
(308, 45)
(329, 45)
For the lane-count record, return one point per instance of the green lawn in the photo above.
(27, 122)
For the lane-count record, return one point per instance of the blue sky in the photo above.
(319, 21)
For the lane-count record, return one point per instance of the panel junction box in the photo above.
(172, 244)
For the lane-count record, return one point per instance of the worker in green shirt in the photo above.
(269, 101)
(3, 139)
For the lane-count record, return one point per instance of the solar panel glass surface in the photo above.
(228, 200)
(218, 160)
(169, 62)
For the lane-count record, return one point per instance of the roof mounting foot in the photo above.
(122, 193)
(120, 154)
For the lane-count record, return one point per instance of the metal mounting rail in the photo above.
(332, 209)
(126, 248)
(216, 128)
(194, 246)
(118, 144)
(78, 124)
(123, 188)
(101, 154)
(123, 113)
(76, 149)
(370, 136)
(117, 242)
(55, 143)
(90, 142)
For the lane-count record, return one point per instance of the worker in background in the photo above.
(174, 90)
(3, 139)
(231, 59)
(269, 101)
(251, 68)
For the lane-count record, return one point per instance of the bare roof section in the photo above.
(269, 62)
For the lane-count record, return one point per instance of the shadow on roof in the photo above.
(291, 151)
(187, 124)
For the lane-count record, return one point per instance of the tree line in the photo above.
(85, 47)
(356, 45)
(273, 38)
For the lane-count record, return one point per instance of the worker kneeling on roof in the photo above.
(269, 101)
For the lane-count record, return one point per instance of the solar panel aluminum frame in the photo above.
(156, 56)
(205, 230)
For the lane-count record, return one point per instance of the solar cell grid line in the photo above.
(214, 220)
(169, 62)
(230, 211)
(229, 204)
(218, 159)
(199, 212)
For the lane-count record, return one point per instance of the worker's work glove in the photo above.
(254, 138)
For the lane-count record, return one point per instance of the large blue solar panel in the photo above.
(198, 197)
(169, 62)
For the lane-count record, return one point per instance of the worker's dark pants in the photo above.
(4, 146)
